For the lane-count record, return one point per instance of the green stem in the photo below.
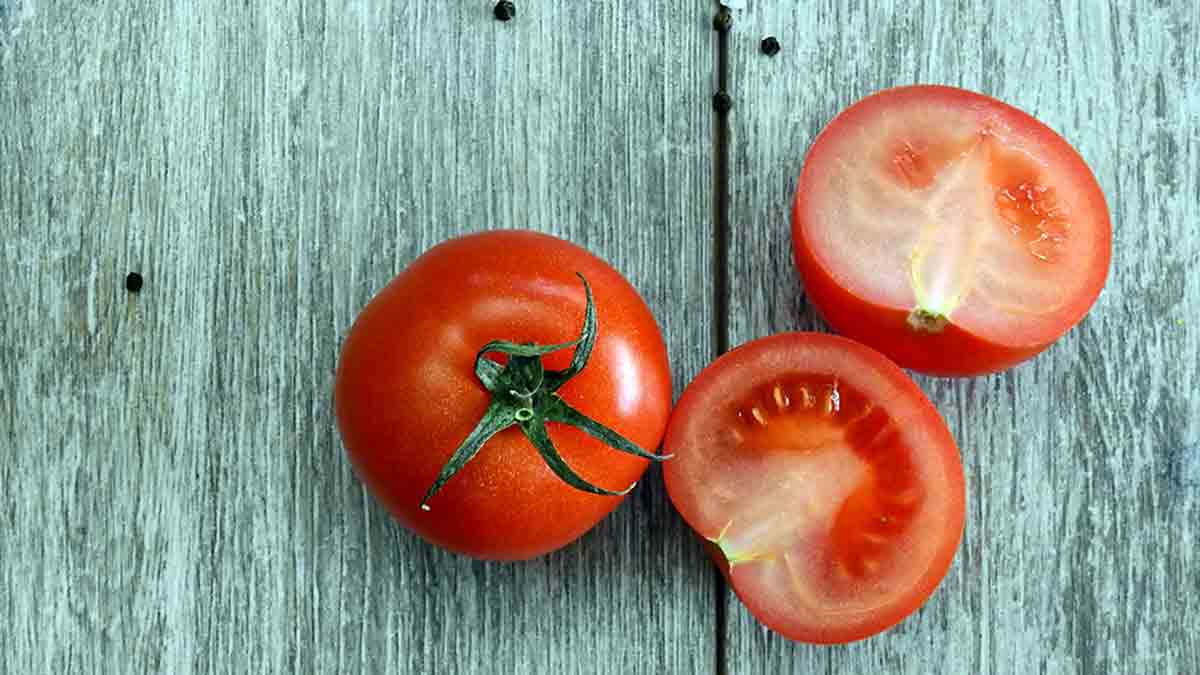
(524, 394)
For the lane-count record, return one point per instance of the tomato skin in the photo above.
(955, 351)
(952, 352)
(406, 393)
(724, 385)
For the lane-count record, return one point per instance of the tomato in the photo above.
(950, 231)
(420, 369)
(829, 487)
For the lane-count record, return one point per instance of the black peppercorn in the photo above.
(722, 102)
(723, 21)
(770, 46)
(133, 282)
(505, 10)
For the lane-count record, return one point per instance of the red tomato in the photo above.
(407, 393)
(829, 486)
(950, 231)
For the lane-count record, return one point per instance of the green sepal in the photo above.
(535, 431)
(559, 410)
(583, 349)
(525, 375)
(488, 372)
(491, 373)
(498, 417)
(523, 394)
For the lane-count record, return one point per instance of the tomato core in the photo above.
(954, 233)
(839, 477)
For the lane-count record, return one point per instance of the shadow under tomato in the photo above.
(638, 567)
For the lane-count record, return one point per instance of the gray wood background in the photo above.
(173, 494)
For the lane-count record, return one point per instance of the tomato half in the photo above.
(830, 488)
(950, 231)
(408, 393)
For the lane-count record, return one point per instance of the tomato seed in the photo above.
(758, 416)
(807, 397)
(781, 397)
(833, 401)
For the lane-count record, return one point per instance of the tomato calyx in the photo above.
(732, 556)
(524, 394)
(926, 321)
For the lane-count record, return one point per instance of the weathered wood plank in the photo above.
(175, 495)
(1082, 465)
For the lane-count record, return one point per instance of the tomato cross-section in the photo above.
(828, 485)
(954, 233)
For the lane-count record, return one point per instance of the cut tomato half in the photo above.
(829, 487)
(950, 231)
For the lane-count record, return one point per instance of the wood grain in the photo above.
(175, 497)
(1080, 546)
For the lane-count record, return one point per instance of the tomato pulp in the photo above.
(407, 392)
(950, 231)
(828, 485)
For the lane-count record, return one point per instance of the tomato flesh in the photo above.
(828, 484)
(949, 208)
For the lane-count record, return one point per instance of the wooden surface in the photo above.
(1083, 466)
(176, 498)
(174, 495)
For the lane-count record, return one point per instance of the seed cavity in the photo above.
(912, 167)
(1047, 247)
(1034, 214)
(873, 538)
(867, 409)
(841, 571)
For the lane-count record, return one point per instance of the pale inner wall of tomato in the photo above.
(969, 230)
(815, 499)
(813, 487)
(811, 465)
(975, 225)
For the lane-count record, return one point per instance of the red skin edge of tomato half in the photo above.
(860, 320)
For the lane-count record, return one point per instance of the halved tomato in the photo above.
(830, 488)
(950, 231)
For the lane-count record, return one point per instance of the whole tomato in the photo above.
(497, 394)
